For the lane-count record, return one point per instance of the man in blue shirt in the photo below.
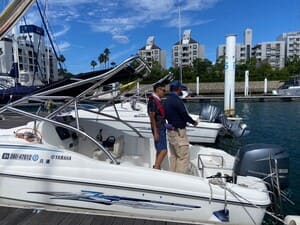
(178, 117)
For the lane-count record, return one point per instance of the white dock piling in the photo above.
(229, 89)
(265, 86)
(197, 86)
(246, 91)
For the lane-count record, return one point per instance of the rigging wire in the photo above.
(35, 57)
(48, 33)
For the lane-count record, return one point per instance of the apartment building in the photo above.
(151, 52)
(243, 51)
(185, 51)
(273, 52)
(27, 53)
(292, 43)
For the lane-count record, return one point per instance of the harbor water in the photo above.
(273, 123)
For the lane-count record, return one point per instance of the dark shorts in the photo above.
(161, 144)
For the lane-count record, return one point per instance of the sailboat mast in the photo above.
(180, 47)
(48, 53)
(15, 64)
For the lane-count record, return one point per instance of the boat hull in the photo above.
(39, 177)
(99, 199)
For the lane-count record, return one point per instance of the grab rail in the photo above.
(203, 166)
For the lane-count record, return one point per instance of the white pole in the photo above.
(265, 86)
(229, 89)
(246, 83)
(197, 86)
(180, 47)
(138, 88)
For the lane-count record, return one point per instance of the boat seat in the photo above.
(116, 150)
(57, 136)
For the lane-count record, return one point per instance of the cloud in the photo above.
(62, 32)
(63, 46)
(121, 39)
(31, 18)
(187, 22)
(197, 5)
(118, 17)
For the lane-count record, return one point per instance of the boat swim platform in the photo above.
(17, 216)
(249, 98)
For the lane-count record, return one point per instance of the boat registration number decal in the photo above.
(18, 156)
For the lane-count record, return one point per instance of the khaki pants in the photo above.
(179, 150)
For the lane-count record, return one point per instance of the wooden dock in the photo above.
(13, 216)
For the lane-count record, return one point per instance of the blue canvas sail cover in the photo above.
(14, 72)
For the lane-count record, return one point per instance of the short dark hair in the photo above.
(157, 85)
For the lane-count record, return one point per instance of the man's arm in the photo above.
(185, 115)
(153, 125)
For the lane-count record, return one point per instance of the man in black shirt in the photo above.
(178, 117)
(156, 113)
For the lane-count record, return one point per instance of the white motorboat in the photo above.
(46, 166)
(289, 88)
(132, 112)
(135, 114)
(60, 162)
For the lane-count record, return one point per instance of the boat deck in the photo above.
(13, 216)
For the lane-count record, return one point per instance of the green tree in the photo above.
(219, 69)
(293, 65)
(157, 72)
(106, 56)
(64, 73)
(113, 64)
(101, 59)
(61, 58)
(93, 64)
(202, 68)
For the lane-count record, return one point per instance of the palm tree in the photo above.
(113, 64)
(93, 64)
(61, 58)
(106, 54)
(101, 58)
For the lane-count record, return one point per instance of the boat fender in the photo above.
(29, 134)
(292, 220)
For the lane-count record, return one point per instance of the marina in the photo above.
(270, 122)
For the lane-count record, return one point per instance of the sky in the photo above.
(82, 29)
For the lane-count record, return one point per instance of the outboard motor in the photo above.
(259, 160)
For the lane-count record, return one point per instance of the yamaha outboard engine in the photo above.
(261, 160)
(235, 127)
